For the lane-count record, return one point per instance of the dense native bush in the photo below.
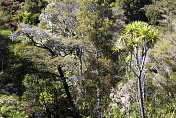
(61, 62)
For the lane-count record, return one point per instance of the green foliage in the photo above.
(4, 18)
(135, 110)
(74, 30)
(153, 14)
(96, 25)
(164, 55)
(5, 34)
(32, 9)
(26, 17)
(133, 9)
(138, 35)
(162, 64)
(41, 89)
(161, 13)
(6, 13)
(11, 107)
(34, 6)
(35, 18)
(30, 14)
(118, 114)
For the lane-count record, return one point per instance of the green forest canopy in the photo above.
(87, 58)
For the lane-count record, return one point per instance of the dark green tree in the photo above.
(34, 6)
(134, 9)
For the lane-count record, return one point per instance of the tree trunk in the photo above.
(140, 95)
(98, 99)
(80, 59)
(98, 89)
(2, 67)
(48, 112)
(75, 110)
(56, 102)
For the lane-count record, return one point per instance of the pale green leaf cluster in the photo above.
(139, 34)
(46, 98)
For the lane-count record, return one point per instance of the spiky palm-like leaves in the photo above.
(138, 37)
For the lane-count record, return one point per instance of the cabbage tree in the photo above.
(138, 37)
